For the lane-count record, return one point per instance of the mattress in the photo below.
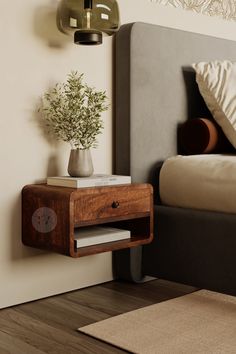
(205, 182)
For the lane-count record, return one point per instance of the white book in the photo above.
(92, 181)
(95, 235)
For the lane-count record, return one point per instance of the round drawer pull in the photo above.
(115, 205)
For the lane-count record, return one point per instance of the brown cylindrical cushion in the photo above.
(198, 136)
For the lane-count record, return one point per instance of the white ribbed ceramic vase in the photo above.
(80, 163)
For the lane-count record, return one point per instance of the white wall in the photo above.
(34, 55)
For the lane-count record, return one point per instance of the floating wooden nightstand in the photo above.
(50, 215)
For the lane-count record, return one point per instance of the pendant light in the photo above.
(87, 20)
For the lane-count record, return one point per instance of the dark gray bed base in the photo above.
(155, 91)
(193, 247)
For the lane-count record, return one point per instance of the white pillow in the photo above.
(217, 84)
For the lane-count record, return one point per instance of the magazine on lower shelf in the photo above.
(92, 181)
(95, 235)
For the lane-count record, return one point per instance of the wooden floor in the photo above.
(49, 325)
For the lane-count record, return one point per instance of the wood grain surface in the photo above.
(130, 200)
(74, 208)
(49, 326)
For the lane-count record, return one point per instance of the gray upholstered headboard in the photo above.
(156, 90)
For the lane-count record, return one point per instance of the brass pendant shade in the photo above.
(87, 20)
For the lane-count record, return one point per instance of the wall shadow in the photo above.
(53, 165)
(44, 23)
(42, 124)
(45, 27)
(18, 251)
(53, 161)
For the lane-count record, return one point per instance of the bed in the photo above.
(156, 91)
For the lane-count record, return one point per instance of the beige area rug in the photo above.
(201, 322)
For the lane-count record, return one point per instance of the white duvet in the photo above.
(206, 182)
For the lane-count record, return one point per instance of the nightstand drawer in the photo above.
(128, 207)
(111, 203)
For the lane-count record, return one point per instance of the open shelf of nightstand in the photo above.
(50, 215)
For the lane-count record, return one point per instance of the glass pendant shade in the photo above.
(86, 20)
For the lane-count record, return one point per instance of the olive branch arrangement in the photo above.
(72, 112)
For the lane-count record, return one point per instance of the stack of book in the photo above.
(95, 235)
(96, 180)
